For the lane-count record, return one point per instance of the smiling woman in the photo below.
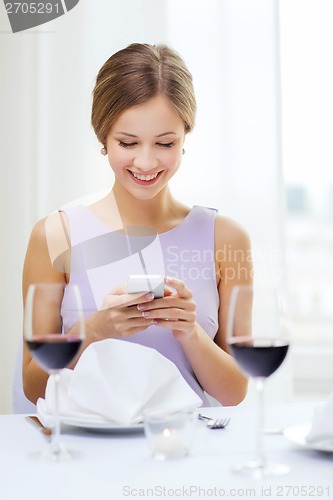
(143, 107)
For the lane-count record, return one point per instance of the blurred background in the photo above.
(261, 151)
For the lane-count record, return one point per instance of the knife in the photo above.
(46, 431)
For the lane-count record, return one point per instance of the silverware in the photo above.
(218, 423)
(33, 420)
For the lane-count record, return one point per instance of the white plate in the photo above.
(86, 421)
(101, 426)
(297, 435)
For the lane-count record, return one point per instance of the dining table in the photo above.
(114, 465)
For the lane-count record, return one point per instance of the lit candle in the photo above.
(169, 444)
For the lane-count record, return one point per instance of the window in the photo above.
(306, 40)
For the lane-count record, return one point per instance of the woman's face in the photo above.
(144, 147)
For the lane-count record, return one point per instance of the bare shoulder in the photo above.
(231, 233)
(48, 251)
(233, 258)
(38, 231)
(50, 229)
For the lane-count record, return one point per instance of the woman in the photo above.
(143, 107)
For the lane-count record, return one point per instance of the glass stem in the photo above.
(56, 430)
(260, 383)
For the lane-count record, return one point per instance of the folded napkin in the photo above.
(117, 381)
(321, 431)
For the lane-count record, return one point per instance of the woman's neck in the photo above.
(161, 212)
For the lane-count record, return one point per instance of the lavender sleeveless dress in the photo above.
(101, 259)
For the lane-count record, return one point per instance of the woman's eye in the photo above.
(126, 144)
(166, 145)
(131, 144)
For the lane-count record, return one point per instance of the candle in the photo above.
(169, 435)
(169, 444)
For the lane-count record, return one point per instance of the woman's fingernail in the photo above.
(149, 296)
(145, 314)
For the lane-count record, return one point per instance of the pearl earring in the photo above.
(104, 151)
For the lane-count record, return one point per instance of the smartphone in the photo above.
(137, 283)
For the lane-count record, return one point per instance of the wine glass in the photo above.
(54, 329)
(258, 336)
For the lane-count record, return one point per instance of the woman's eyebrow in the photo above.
(166, 133)
(127, 134)
(135, 136)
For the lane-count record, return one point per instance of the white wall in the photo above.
(17, 187)
(48, 151)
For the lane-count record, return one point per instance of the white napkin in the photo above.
(118, 381)
(321, 432)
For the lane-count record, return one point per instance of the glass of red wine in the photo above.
(258, 337)
(54, 329)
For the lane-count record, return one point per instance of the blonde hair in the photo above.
(134, 75)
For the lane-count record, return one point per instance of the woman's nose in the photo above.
(145, 161)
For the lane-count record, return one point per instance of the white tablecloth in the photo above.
(116, 467)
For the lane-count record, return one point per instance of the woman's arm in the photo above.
(39, 268)
(214, 367)
(47, 260)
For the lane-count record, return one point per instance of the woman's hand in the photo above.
(119, 315)
(176, 310)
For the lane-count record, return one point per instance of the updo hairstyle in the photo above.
(134, 75)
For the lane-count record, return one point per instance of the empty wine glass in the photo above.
(258, 337)
(54, 344)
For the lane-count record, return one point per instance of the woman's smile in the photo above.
(145, 179)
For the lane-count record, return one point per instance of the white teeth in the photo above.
(144, 177)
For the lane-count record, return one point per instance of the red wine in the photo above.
(259, 357)
(54, 351)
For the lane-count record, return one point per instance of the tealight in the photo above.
(169, 435)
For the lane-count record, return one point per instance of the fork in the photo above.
(218, 423)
